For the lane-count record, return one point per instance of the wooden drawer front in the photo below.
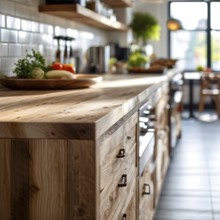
(146, 196)
(115, 198)
(130, 212)
(127, 207)
(162, 113)
(117, 151)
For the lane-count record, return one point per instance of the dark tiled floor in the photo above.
(191, 189)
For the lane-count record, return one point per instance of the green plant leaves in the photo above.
(145, 26)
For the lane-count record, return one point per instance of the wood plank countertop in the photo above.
(75, 114)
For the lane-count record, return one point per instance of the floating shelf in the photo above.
(83, 15)
(118, 3)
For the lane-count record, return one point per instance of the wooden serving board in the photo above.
(81, 81)
(160, 70)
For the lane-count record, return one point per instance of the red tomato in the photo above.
(69, 67)
(65, 66)
(57, 66)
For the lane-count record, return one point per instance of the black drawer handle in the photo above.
(128, 137)
(124, 217)
(123, 181)
(146, 189)
(121, 153)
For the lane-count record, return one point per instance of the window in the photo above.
(198, 42)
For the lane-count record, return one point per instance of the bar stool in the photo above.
(209, 86)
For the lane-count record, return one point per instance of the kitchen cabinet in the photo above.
(161, 141)
(60, 179)
(146, 194)
(72, 154)
(152, 177)
(83, 15)
(118, 172)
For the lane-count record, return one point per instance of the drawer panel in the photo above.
(113, 198)
(146, 195)
(117, 151)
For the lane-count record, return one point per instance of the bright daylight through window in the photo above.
(198, 42)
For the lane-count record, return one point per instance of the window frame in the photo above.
(208, 30)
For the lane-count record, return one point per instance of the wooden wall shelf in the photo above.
(118, 3)
(83, 15)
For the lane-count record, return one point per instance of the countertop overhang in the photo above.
(75, 114)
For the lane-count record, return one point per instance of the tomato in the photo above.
(57, 66)
(69, 67)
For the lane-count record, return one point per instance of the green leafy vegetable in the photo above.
(137, 59)
(24, 67)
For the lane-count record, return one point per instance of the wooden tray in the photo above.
(149, 70)
(81, 81)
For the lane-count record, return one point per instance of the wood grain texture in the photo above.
(118, 3)
(48, 179)
(101, 106)
(5, 179)
(145, 200)
(20, 191)
(83, 15)
(125, 138)
(82, 189)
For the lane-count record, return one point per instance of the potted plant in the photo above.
(145, 27)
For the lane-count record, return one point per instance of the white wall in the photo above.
(159, 11)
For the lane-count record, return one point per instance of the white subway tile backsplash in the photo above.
(2, 20)
(15, 50)
(9, 36)
(60, 31)
(36, 38)
(33, 2)
(41, 49)
(34, 26)
(46, 39)
(49, 51)
(22, 11)
(3, 49)
(46, 29)
(26, 25)
(21, 1)
(27, 48)
(25, 37)
(7, 7)
(23, 28)
(13, 23)
(8, 64)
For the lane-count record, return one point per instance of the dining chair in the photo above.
(209, 87)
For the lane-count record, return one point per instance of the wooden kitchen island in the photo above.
(73, 154)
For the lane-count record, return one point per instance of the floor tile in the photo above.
(186, 182)
(216, 216)
(182, 215)
(191, 189)
(186, 193)
(197, 204)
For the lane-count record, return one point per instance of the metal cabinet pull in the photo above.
(121, 153)
(146, 190)
(124, 217)
(128, 137)
(123, 181)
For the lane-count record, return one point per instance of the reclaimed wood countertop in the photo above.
(75, 114)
